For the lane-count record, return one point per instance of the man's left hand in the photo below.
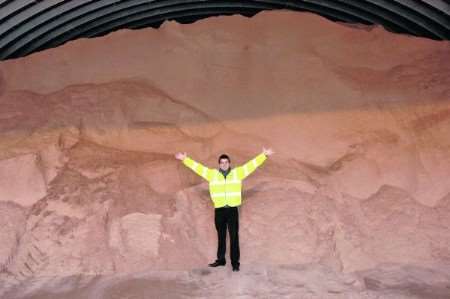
(267, 151)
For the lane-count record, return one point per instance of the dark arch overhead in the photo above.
(27, 26)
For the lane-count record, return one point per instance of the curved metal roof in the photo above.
(27, 26)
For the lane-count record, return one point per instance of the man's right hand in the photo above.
(181, 156)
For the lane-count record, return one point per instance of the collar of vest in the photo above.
(225, 172)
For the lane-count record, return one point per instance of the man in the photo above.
(225, 191)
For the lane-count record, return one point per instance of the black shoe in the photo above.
(235, 268)
(217, 263)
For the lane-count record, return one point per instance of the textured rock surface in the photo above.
(356, 198)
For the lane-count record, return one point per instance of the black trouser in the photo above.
(223, 218)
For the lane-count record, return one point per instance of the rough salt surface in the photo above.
(354, 203)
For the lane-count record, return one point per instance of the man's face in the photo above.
(224, 164)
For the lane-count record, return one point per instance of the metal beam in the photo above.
(30, 25)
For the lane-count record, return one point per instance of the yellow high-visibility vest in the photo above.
(225, 191)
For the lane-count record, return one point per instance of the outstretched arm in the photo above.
(249, 167)
(198, 168)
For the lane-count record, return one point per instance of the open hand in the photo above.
(181, 156)
(267, 151)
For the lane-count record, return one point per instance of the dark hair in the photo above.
(224, 156)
